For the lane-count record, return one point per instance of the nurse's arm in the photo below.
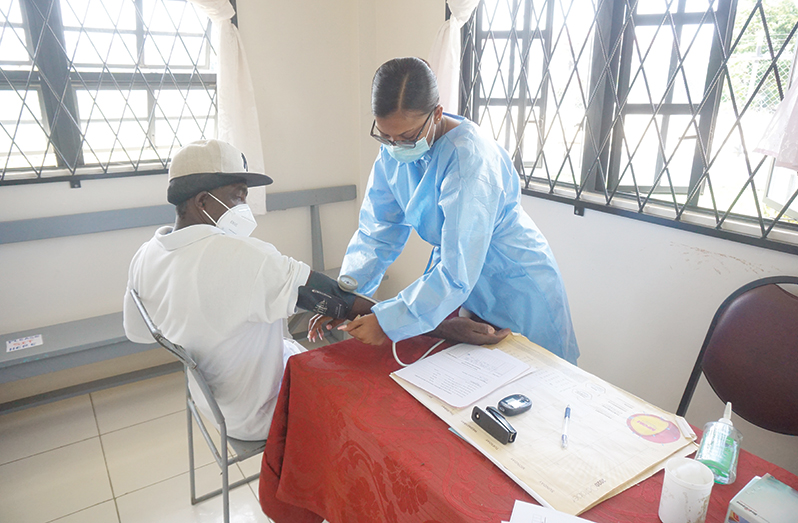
(466, 330)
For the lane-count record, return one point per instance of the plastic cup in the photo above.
(685, 491)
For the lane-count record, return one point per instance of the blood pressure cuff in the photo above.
(323, 296)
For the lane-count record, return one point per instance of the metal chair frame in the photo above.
(242, 449)
(698, 368)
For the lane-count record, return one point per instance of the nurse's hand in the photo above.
(366, 329)
(318, 324)
(466, 330)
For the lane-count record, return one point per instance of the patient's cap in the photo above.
(206, 165)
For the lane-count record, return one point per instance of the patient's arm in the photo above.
(467, 330)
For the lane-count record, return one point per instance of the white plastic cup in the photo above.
(685, 491)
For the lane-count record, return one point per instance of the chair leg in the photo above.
(225, 496)
(191, 478)
(225, 477)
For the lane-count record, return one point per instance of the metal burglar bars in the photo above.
(649, 109)
(101, 88)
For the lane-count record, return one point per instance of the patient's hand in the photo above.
(466, 330)
(318, 324)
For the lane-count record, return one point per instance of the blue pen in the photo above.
(565, 421)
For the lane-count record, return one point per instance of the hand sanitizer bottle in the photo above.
(720, 447)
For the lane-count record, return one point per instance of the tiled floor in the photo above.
(115, 456)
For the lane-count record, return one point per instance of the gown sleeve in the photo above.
(381, 235)
(470, 198)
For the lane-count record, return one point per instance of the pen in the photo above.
(565, 421)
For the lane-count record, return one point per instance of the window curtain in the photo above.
(445, 53)
(238, 117)
(780, 139)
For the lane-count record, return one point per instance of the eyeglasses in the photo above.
(404, 144)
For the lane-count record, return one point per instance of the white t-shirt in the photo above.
(224, 299)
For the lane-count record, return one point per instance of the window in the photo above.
(101, 88)
(650, 109)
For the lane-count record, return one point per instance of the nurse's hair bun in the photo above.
(406, 84)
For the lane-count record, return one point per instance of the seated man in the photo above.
(223, 296)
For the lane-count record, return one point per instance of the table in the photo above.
(350, 445)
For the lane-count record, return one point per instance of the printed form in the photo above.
(463, 374)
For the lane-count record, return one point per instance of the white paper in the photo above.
(528, 513)
(463, 374)
(24, 343)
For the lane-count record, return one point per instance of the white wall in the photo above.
(389, 30)
(52, 281)
(304, 64)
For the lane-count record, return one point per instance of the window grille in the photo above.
(649, 109)
(101, 88)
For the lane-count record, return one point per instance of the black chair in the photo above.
(241, 449)
(750, 355)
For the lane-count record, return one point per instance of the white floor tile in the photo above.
(251, 466)
(134, 403)
(39, 429)
(54, 483)
(150, 452)
(248, 468)
(102, 513)
(168, 502)
(253, 486)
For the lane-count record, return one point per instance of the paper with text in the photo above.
(463, 374)
(615, 439)
(528, 513)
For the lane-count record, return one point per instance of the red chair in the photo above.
(750, 355)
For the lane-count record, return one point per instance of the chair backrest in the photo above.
(181, 354)
(750, 355)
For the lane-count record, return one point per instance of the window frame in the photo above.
(51, 71)
(595, 184)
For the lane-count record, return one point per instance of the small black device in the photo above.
(515, 404)
(494, 424)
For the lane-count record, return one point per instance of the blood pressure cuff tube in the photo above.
(323, 296)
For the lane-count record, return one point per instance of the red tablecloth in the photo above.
(350, 445)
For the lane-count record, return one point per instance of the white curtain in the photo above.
(780, 139)
(238, 116)
(445, 53)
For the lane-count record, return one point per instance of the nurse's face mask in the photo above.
(407, 150)
(236, 221)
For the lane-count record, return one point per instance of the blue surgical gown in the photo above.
(463, 198)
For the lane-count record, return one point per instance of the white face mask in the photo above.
(403, 155)
(236, 221)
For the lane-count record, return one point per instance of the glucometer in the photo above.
(515, 404)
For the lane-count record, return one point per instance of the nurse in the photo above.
(435, 173)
